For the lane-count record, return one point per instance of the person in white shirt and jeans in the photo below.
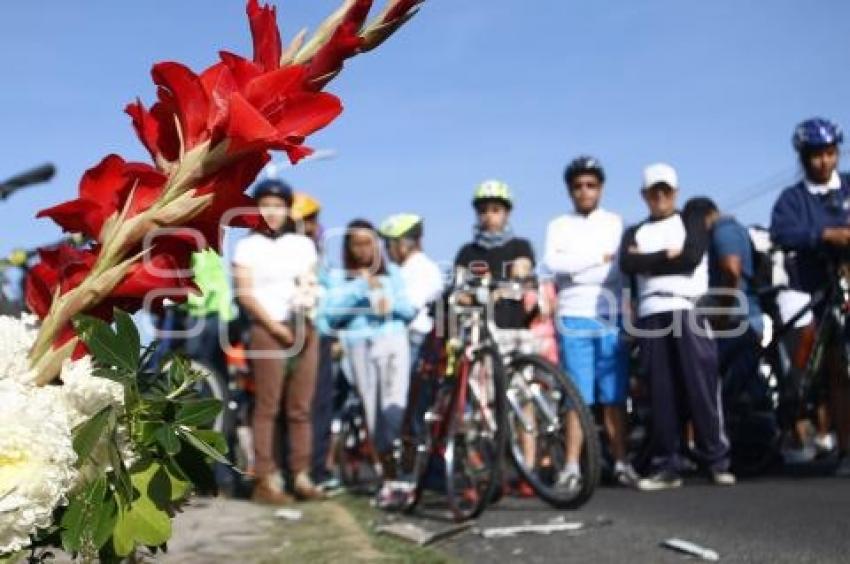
(581, 252)
(283, 345)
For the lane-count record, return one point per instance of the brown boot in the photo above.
(268, 490)
(305, 489)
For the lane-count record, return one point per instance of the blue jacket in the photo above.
(346, 310)
(797, 223)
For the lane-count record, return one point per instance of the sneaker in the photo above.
(625, 475)
(269, 490)
(330, 484)
(825, 444)
(305, 489)
(663, 480)
(569, 480)
(843, 469)
(723, 478)
(394, 495)
(799, 455)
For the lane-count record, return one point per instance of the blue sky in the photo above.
(471, 89)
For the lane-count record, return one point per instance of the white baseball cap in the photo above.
(660, 173)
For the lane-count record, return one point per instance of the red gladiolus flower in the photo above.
(60, 269)
(209, 135)
(104, 190)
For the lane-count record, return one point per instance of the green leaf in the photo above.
(87, 434)
(105, 345)
(201, 446)
(104, 522)
(178, 371)
(215, 439)
(88, 521)
(120, 475)
(167, 438)
(180, 488)
(197, 413)
(72, 525)
(144, 522)
(128, 336)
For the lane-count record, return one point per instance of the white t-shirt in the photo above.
(576, 246)
(423, 283)
(669, 292)
(275, 264)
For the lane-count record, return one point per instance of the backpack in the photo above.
(763, 257)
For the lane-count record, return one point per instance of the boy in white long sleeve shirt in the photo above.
(581, 251)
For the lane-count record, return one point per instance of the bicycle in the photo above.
(541, 400)
(795, 385)
(463, 431)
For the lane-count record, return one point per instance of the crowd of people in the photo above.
(682, 284)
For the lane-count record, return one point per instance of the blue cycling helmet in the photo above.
(274, 187)
(584, 165)
(815, 133)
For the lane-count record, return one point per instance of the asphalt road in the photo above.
(798, 515)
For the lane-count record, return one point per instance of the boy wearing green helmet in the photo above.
(506, 257)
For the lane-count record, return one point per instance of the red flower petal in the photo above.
(303, 114)
(147, 128)
(181, 91)
(219, 84)
(39, 286)
(273, 88)
(247, 129)
(101, 182)
(242, 70)
(343, 44)
(263, 21)
(77, 216)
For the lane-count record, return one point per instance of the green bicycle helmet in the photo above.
(493, 191)
(401, 226)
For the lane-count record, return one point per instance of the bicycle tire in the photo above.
(589, 463)
(468, 501)
(422, 449)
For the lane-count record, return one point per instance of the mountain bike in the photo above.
(463, 433)
(542, 401)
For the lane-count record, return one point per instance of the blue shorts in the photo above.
(594, 357)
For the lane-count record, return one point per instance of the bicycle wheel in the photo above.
(354, 455)
(422, 449)
(540, 399)
(475, 440)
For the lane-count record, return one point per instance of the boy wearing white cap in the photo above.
(667, 255)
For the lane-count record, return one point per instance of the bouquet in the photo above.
(99, 447)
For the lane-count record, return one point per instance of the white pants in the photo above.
(380, 369)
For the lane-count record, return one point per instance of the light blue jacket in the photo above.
(345, 308)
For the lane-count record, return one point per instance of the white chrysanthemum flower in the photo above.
(36, 460)
(85, 395)
(16, 338)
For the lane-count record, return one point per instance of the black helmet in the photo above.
(274, 187)
(584, 165)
